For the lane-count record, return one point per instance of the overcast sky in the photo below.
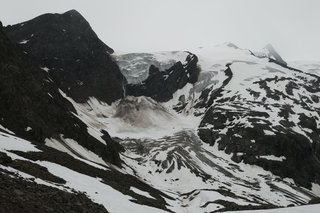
(291, 26)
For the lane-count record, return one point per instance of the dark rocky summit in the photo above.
(77, 60)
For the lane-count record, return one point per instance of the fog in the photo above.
(291, 26)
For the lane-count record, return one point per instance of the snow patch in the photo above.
(7, 130)
(71, 147)
(45, 68)
(9, 142)
(140, 192)
(272, 157)
(24, 41)
(268, 132)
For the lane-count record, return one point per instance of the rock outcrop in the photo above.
(160, 85)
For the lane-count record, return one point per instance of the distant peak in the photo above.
(270, 52)
(229, 44)
(270, 48)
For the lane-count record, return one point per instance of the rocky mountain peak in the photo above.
(73, 12)
(72, 53)
(270, 52)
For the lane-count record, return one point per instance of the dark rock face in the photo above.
(78, 61)
(300, 162)
(32, 107)
(160, 85)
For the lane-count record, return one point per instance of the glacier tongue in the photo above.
(199, 175)
(133, 117)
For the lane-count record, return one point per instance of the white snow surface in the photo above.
(9, 142)
(300, 209)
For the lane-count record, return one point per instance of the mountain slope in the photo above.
(266, 109)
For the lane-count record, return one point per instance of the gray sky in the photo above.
(291, 26)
